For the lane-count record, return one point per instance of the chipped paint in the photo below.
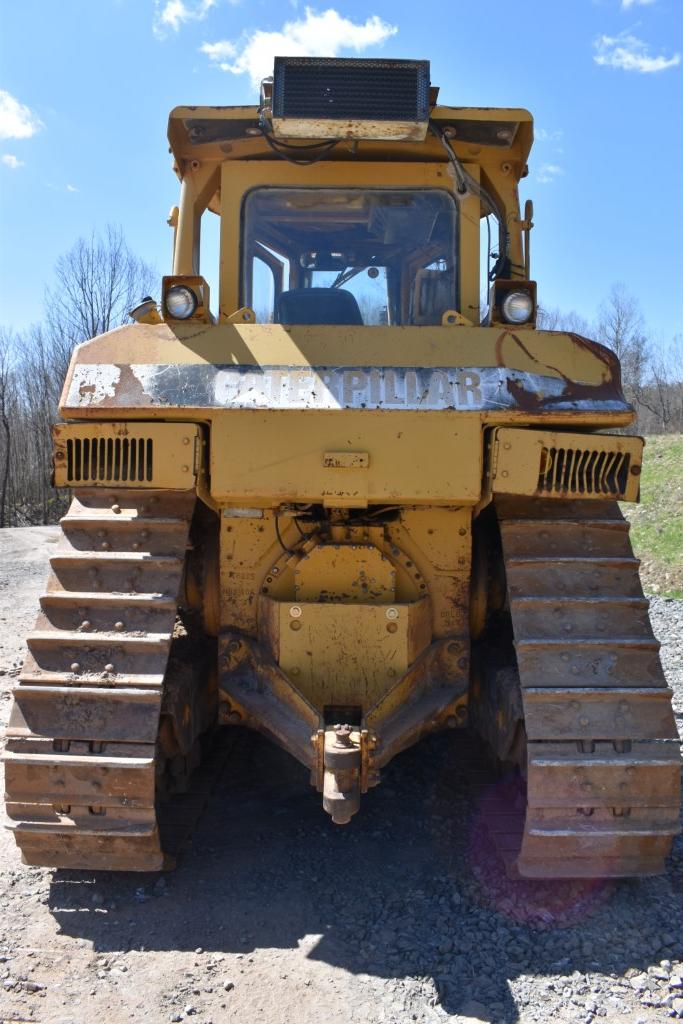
(332, 388)
(91, 385)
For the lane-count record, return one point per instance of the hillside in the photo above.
(657, 522)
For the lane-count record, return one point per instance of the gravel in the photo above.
(276, 915)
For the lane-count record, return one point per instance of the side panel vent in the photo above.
(128, 454)
(559, 464)
(583, 472)
(98, 460)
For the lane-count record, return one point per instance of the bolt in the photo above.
(342, 736)
(118, 626)
(392, 627)
(452, 722)
(109, 667)
(462, 662)
(116, 509)
(234, 717)
(184, 469)
(233, 646)
(392, 613)
(75, 667)
(186, 440)
(295, 624)
(295, 611)
(85, 624)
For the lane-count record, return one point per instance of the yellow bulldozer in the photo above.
(350, 507)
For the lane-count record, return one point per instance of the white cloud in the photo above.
(320, 35)
(175, 13)
(9, 160)
(625, 4)
(546, 135)
(71, 188)
(629, 53)
(547, 173)
(16, 120)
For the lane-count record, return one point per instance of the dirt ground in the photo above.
(274, 915)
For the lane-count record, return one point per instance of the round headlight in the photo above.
(517, 307)
(181, 302)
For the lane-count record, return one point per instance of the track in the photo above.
(82, 758)
(603, 767)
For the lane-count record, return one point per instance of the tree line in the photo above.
(99, 280)
(651, 368)
(95, 284)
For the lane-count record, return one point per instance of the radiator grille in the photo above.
(107, 459)
(376, 90)
(575, 471)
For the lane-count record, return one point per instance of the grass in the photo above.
(657, 522)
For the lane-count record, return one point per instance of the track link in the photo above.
(81, 753)
(603, 762)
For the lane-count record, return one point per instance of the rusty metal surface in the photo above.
(328, 388)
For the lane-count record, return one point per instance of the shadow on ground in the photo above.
(409, 888)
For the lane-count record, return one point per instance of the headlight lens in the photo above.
(181, 301)
(517, 307)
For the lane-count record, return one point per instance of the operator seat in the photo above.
(318, 306)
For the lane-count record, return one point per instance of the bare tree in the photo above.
(621, 327)
(97, 281)
(6, 385)
(556, 320)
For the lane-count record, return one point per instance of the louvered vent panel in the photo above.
(109, 459)
(376, 90)
(583, 471)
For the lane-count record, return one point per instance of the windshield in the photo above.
(349, 256)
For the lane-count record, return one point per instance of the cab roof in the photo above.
(224, 133)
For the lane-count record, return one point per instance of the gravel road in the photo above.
(276, 916)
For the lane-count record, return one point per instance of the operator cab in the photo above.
(348, 197)
(349, 256)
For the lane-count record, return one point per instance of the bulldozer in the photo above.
(352, 505)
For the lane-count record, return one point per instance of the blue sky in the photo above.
(86, 87)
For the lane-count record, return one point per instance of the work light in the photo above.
(181, 302)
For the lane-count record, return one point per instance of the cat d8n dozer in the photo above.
(345, 508)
